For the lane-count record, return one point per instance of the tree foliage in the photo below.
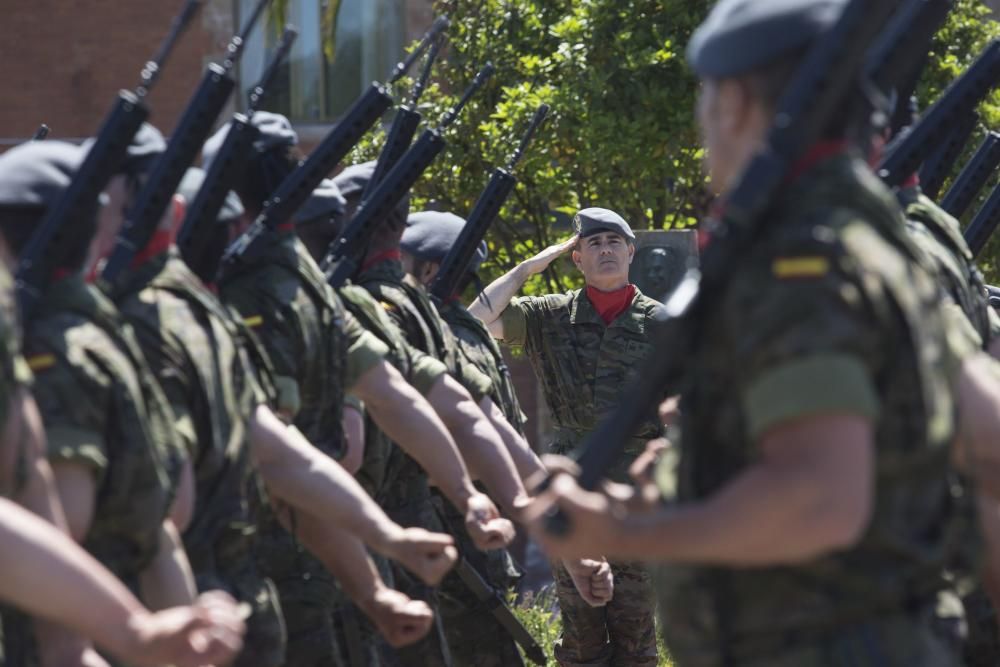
(621, 133)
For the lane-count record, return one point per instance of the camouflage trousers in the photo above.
(474, 636)
(622, 633)
(264, 642)
(982, 645)
(359, 641)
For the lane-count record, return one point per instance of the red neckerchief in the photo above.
(384, 256)
(819, 152)
(159, 244)
(610, 305)
(912, 182)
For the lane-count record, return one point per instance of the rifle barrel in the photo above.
(151, 70)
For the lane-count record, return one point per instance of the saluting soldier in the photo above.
(584, 346)
(812, 503)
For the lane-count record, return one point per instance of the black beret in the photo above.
(37, 172)
(429, 235)
(592, 221)
(353, 179)
(742, 35)
(324, 203)
(273, 130)
(232, 208)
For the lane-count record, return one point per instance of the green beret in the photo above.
(740, 36)
(324, 203)
(273, 129)
(36, 173)
(429, 235)
(232, 208)
(592, 221)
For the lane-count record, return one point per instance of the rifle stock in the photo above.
(939, 163)
(984, 224)
(973, 176)
(124, 119)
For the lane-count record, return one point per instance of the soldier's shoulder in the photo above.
(551, 303)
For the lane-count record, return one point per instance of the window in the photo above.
(369, 41)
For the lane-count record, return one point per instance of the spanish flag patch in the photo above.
(785, 268)
(40, 362)
(253, 321)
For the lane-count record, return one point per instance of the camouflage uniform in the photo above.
(407, 497)
(198, 353)
(481, 640)
(102, 408)
(830, 291)
(14, 374)
(583, 365)
(938, 234)
(317, 350)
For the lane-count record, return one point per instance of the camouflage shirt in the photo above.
(582, 363)
(828, 313)
(102, 409)
(480, 348)
(418, 319)
(14, 373)
(940, 236)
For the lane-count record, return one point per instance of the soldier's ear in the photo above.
(631, 252)
(575, 255)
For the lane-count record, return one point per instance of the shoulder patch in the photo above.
(253, 321)
(40, 362)
(786, 268)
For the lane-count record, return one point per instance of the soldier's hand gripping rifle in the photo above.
(905, 154)
(298, 186)
(973, 176)
(185, 143)
(348, 250)
(456, 263)
(405, 122)
(229, 162)
(100, 165)
(819, 91)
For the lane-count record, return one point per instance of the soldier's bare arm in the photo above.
(525, 460)
(168, 580)
(353, 422)
(411, 421)
(305, 478)
(810, 493)
(489, 305)
(399, 619)
(47, 575)
(975, 451)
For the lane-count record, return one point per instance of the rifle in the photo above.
(298, 186)
(818, 92)
(346, 252)
(488, 596)
(983, 225)
(905, 153)
(895, 60)
(194, 127)
(229, 162)
(41, 133)
(940, 163)
(973, 176)
(456, 263)
(102, 162)
(404, 124)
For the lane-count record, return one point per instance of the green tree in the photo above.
(621, 133)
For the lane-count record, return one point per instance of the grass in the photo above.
(539, 615)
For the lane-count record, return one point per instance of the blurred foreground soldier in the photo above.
(49, 576)
(109, 429)
(320, 353)
(584, 346)
(796, 537)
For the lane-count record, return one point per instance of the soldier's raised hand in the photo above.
(541, 261)
(427, 555)
(401, 620)
(484, 524)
